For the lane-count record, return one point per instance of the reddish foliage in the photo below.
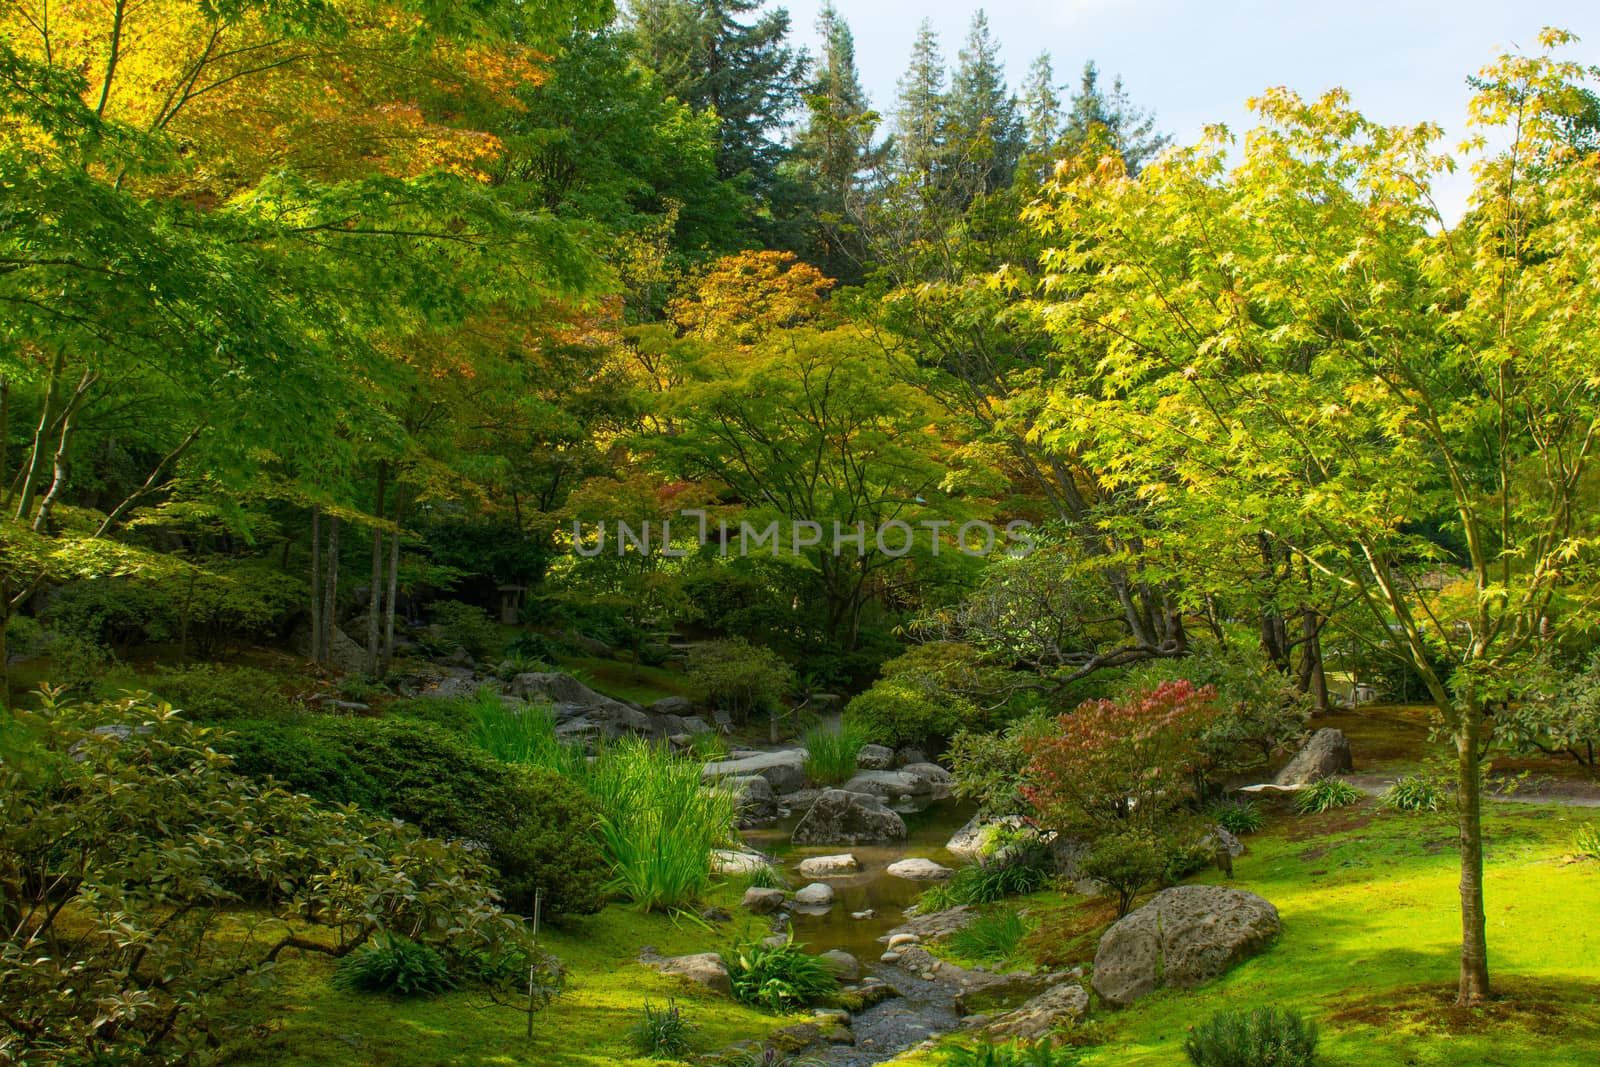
(1120, 761)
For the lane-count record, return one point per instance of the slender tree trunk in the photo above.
(375, 588)
(1474, 987)
(1313, 676)
(31, 473)
(59, 477)
(5, 427)
(330, 591)
(393, 594)
(316, 583)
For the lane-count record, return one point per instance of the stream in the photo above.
(924, 1007)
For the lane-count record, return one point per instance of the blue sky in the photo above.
(1196, 63)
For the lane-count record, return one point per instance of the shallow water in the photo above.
(872, 888)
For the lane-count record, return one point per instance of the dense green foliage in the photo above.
(782, 977)
(1266, 1037)
(537, 825)
(661, 1033)
(127, 844)
(395, 965)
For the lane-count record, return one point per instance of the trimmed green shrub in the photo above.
(1413, 793)
(779, 977)
(397, 966)
(1238, 815)
(1126, 863)
(831, 754)
(209, 692)
(662, 1034)
(893, 713)
(539, 827)
(738, 677)
(1326, 794)
(1266, 1037)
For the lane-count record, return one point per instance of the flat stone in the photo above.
(784, 770)
(918, 869)
(703, 968)
(828, 866)
(727, 861)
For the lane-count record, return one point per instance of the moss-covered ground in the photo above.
(1370, 931)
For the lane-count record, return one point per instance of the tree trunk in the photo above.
(316, 583)
(1313, 676)
(1474, 987)
(31, 472)
(330, 591)
(376, 585)
(394, 586)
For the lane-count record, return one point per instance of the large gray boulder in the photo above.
(1185, 936)
(785, 770)
(1326, 753)
(890, 785)
(975, 839)
(839, 817)
(682, 707)
(581, 713)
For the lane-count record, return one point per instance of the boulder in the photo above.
(762, 901)
(828, 866)
(580, 712)
(815, 895)
(940, 781)
(1326, 753)
(844, 966)
(890, 785)
(909, 754)
(839, 817)
(754, 799)
(682, 707)
(1185, 936)
(918, 869)
(972, 840)
(1061, 1005)
(694, 724)
(875, 758)
(785, 770)
(702, 968)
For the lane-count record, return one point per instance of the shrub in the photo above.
(831, 754)
(662, 1034)
(1326, 794)
(1017, 1053)
(538, 826)
(151, 796)
(1586, 841)
(1126, 863)
(989, 766)
(1556, 713)
(1413, 793)
(537, 647)
(1010, 872)
(208, 692)
(1266, 1037)
(79, 661)
(658, 824)
(395, 965)
(738, 677)
(894, 714)
(1238, 815)
(1259, 710)
(1111, 764)
(991, 937)
(778, 977)
(462, 626)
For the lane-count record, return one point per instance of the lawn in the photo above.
(1370, 929)
(302, 1019)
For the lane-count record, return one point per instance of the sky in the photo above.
(1197, 63)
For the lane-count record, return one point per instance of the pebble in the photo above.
(889, 957)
